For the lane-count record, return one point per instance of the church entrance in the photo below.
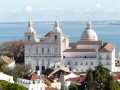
(43, 68)
(37, 68)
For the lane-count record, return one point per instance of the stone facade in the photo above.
(55, 48)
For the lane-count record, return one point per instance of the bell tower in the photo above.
(30, 34)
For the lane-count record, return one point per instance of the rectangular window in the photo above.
(91, 63)
(42, 50)
(86, 64)
(68, 63)
(36, 50)
(76, 63)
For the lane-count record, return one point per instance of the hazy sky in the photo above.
(65, 10)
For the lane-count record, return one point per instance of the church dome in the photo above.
(89, 34)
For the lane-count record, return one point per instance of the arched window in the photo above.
(76, 63)
(37, 68)
(43, 68)
(68, 63)
(29, 38)
(55, 37)
(86, 63)
(42, 50)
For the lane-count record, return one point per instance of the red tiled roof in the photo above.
(72, 45)
(48, 34)
(6, 59)
(77, 79)
(79, 50)
(50, 88)
(107, 47)
(33, 76)
(89, 43)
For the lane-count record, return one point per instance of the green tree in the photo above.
(4, 85)
(101, 75)
(110, 83)
(13, 49)
(19, 71)
(89, 80)
(2, 66)
(73, 87)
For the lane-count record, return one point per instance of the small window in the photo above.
(76, 63)
(48, 50)
(68, 63)
(36, 50)
(81, 64)
(55, 37)
(86, 64)
(100, 57)
(42, 49)
(29, 38)
(91, 63)
(108, 58)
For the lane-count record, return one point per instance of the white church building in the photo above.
(54, 47)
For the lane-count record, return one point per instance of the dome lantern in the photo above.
(89, 34)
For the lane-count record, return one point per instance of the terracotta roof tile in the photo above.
(48, 34)
(50, 88)
(33, 76)
(89, 43)
(72, 45)
(6, 59)
(77, 79)
(79, 50)
(107, 47)
(116, 77)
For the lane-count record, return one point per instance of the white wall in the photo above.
(6, 77)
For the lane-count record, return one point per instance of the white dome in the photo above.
(89, 34)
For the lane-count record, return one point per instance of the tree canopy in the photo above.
(13, 49)
(19, 71)
(4, 85)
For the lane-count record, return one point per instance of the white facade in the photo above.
(6, 77)
(33, 81)
(54, 47)
(40, 52)
(31, 85)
